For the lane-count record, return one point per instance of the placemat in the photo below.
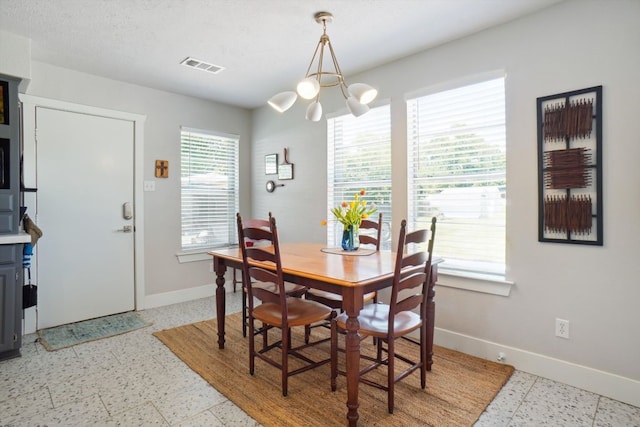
(340, 251)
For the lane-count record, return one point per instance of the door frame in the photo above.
(29, 105)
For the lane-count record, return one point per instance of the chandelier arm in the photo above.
(323, 41)
(313, 58)
(339, 75)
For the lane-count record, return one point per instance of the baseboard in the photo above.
(175, 297)
(183, 295)
(604, 383)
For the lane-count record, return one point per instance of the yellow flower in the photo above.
(352, 213)
(323, 222)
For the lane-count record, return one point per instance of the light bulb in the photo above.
(308, 88)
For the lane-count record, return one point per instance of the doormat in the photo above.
(90, 330)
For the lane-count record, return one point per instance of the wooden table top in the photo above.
(310, 261)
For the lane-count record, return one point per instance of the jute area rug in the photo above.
(459, 386)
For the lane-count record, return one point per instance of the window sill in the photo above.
(200, 255)
(476, 282)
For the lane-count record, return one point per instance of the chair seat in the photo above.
(332, 299)
(300, 312)
(374, 321)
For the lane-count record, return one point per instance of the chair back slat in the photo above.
(260, 275)
(409, 303)
(261, 253)
(414, 259)
(256, 234)
(411, 281)
(412, 271)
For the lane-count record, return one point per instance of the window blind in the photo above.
(457, 172)
(359, 157)
(209, 189)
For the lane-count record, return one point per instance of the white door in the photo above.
(85, 166)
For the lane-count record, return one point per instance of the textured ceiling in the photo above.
(265, 45)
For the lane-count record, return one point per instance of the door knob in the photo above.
(126, 229)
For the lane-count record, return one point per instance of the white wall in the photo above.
(570, 46)
(165, 112)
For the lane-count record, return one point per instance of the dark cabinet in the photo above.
(9, 156)
(10, 300)
(10, 249)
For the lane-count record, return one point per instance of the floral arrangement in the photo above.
(352, 213)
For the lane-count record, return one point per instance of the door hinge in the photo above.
(17, 275)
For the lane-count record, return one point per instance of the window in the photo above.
(457, 172)
(209, 188)
(359, 157)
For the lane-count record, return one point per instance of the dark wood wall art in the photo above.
(570, 167)
(162, 169)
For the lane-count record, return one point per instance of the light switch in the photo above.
(149, 186)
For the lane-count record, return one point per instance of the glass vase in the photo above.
(350, 239)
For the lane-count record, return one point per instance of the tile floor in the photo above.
(134, 380)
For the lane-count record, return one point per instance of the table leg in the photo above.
(352, 304)
(431, 314)
(220, 268)
(352, 352)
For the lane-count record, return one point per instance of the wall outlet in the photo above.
(149, 186)
(562, 328)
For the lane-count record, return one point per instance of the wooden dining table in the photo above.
(350, 274)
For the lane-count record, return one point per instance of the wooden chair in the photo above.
(276, 309)
(374, 238)
(388, 322)
(335, 300)
(291, 289)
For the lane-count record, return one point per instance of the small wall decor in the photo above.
(162, 169)
(285, 170)
(570, 167)
(271, 186)
(270, 164)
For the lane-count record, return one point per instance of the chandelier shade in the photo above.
(363, 93)
(283, 101)
(355, 107)
(357, 96)
(314, 111)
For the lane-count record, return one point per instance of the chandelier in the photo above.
(357, 95)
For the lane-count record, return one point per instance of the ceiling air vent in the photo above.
(201, 65)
